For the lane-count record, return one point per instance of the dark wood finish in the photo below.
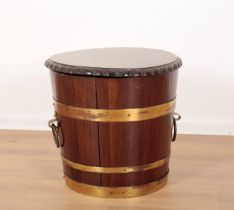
(80, 137)
(115, 144)
(115, 62)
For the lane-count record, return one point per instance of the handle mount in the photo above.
(176, 117)
(55, 125)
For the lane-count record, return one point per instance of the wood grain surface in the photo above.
(115, 144)
(201, 176)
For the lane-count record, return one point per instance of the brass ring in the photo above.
(116, 192)
(177, 116)
(115, 115)
(112, 170)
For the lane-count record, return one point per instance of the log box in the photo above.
(114, 118)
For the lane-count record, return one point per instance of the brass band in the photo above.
(116, 192)
(125, 169)
(115, 115)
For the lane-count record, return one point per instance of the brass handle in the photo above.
(55, 125)
(176, 117)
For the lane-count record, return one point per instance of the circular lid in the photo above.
(114, 62)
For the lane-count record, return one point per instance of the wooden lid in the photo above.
(114, 62)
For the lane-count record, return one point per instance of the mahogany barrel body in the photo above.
(117, 157)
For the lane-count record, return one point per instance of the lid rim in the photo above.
(112, 72)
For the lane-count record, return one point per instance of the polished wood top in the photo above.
(114, 62)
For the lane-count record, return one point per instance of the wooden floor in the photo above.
(201, 176)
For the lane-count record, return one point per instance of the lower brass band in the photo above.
(116, 192)
(125, 169)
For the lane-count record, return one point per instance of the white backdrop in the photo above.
(201, 32)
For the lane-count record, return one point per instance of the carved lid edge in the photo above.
(112, 72)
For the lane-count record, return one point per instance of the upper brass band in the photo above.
(125, 169)
(114, 115)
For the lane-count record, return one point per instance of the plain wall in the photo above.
(200, 32)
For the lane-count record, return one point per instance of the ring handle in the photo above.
(55, 125)
(176, 117)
